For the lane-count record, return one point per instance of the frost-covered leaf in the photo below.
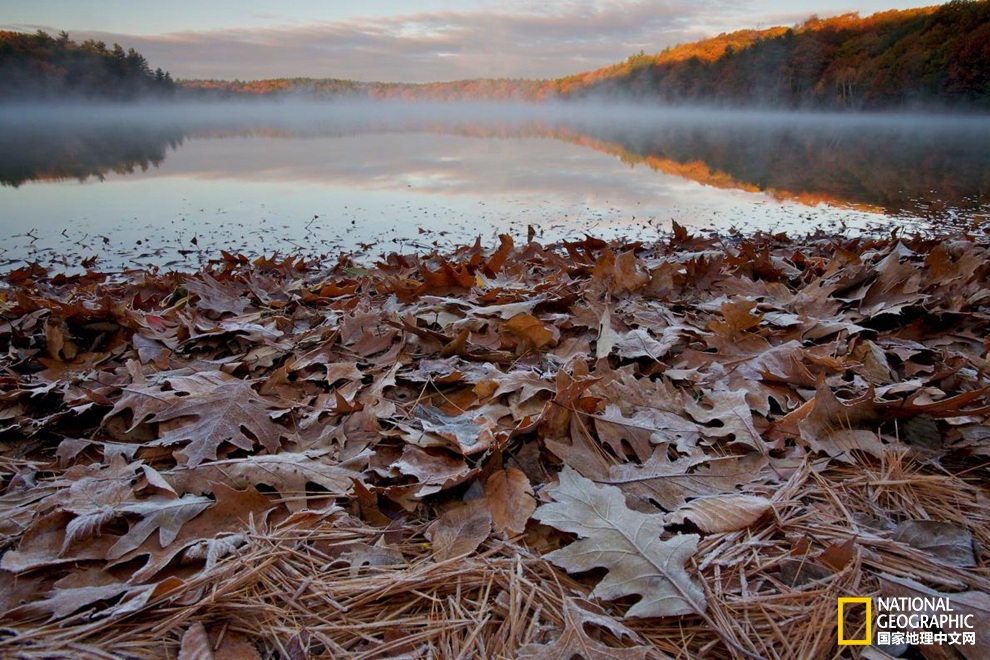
(460, 530)
(287, 472)
(835, 428)
(627, 544)
(469, 432)
(947, 542)
(722, 513)
(729, 418)
(670, 483)
(232, 412)
(164, 514)
(574, 640)
(195, 643)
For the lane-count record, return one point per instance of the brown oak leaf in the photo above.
(232, 412)
(626, 543)
(575, 642)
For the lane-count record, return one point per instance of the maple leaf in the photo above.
(233, 412)
(626, 543)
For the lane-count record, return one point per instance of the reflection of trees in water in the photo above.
(922, 171)
(927, 169)
(53, 153)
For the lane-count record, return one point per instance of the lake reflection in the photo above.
(172, 185)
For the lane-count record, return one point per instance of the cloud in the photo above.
(519, 40)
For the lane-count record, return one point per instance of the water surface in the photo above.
(170, 186)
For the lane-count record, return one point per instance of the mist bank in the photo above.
(303, 115)
(921, 165)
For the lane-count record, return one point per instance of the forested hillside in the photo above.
(936, 55)
(41, 66)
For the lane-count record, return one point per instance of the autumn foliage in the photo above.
(934, 56)
(686, 449)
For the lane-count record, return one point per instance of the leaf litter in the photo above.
(586, 449)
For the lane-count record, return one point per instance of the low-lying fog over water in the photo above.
(172, 185)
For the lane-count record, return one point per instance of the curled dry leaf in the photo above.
(722, 513)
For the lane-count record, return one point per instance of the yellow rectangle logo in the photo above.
(842, 621)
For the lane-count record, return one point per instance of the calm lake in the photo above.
(171, 186)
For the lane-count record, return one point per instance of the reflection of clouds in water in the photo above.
(426, 164)
(303, 184)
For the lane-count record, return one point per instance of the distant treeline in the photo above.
(40, 66)
(496, 89)
(935, 55)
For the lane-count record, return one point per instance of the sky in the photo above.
(405, 41)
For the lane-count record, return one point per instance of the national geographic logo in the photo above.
(904, 620)
(868, 602)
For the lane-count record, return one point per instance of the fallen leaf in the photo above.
(530, 333)
(287, 472)
(722, 513)
(838, 555)
(459, 531)
(669, 483)
(627, 544)
(835, 428)
(230, 514)
(575, 642)
(728, 417)
(195, 643)
(232, 412)
(510, 500)
(948, 543)
(164, 514)
(471, 433)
